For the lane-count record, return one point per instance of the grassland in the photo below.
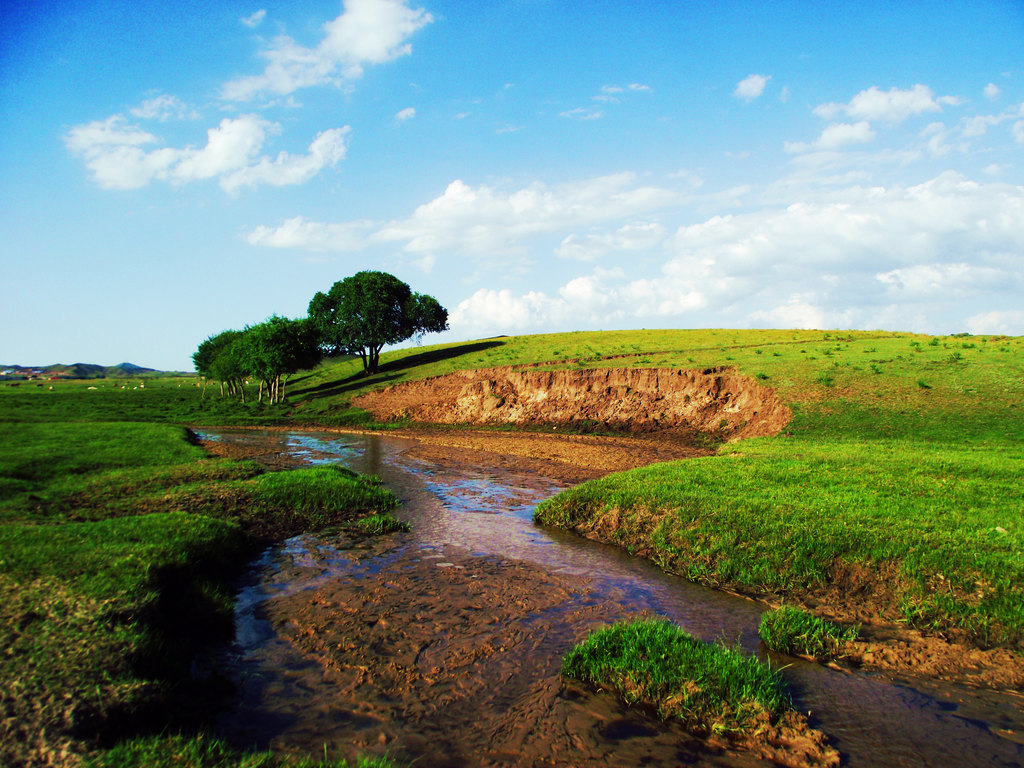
(898, 480)
(117, 546)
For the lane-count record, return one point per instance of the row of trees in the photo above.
(359, 315)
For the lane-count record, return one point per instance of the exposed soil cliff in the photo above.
(630, 399)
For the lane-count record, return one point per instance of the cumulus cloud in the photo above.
(992, 91)
(406, 114)
(367, 32)
(892, 106)
(631, 237)
(836, 136)
(252, 21)
(163, 108)
(866, 257)
(1010, 322)
(487, 220)
(326, 150)
(114, 151)
(489, 223)
(752, 86)
(299, 233)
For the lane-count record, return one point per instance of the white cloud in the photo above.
(1018, 131)
(163, 108)
(113, 152)
(583, 113)
(640, 87)
(327, 150)
(752, 86)
(1009, 322)
(933, 257)
(631, 237)
(797, 312)
(892, 106)
(602, 299)
(485, 220)
(490, 223)
(298, 233)
(252, 21)
(406, 114)
(992, 91)
(367, 32)
(836, 136)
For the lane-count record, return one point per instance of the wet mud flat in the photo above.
(451, 659)
(443, 645)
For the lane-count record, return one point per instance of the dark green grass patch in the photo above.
(116, 553)
(654, 663)
(792, 630)
(202, 752)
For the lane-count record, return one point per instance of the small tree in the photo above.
(362, 314)
(278, 348)
(205, 357)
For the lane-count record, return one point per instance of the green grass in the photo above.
(201, 752)
(379, 524)
(898, 477)
(792, 630)
(710, 688)
(118, 543)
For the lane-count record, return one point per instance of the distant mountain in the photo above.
(76, 371)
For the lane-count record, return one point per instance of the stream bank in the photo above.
(444, 644)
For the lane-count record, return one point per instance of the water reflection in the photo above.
(487, 513)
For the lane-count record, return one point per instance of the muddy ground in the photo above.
(454, 659)
(885, 644)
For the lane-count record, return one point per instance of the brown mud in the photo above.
(885, 644)
(450, 657)
(454, 661)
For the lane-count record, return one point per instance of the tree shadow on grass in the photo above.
(389, 371)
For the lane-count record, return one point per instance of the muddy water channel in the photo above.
(442, 645)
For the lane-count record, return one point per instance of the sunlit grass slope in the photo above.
(898, 477)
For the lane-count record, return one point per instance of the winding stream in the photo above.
(478, 522)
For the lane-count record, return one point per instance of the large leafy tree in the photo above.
(362, 314)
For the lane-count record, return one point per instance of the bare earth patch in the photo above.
(455, 661)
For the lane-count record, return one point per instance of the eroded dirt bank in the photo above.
(637, 400)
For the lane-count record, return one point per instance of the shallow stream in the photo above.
(473, 541)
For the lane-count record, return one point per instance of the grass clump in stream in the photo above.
(792, 630)
(379, 524)
(710, 688)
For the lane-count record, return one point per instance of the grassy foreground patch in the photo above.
(117, 546)
(792, 630)
(710, 688)
(200, 752)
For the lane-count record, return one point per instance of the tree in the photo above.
(205, 357)
(362, 314)
(278, 348)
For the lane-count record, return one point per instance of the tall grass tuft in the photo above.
(792, 630)
(710, 688)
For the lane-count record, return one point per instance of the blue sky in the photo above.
(171, 170)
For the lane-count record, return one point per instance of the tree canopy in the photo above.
(267, 351)
(363, 313)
